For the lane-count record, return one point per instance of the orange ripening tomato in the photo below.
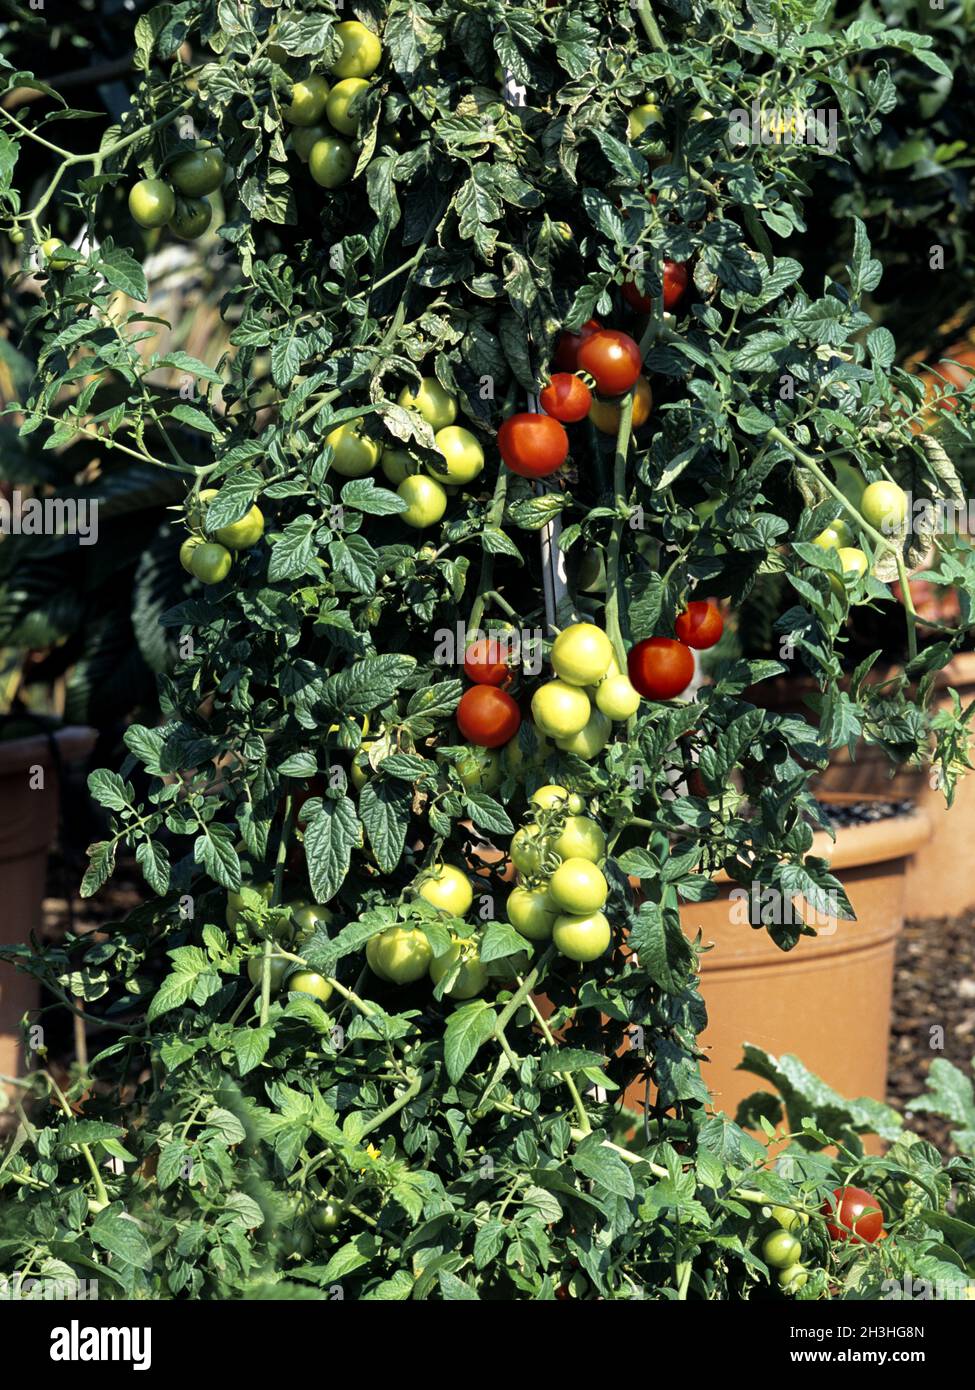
(533, 445)
(566, 398)
(700, 625)
(660, 668)
(612, 359)
(605, 415)
(488, 716)
(567, 351)
(485, 663)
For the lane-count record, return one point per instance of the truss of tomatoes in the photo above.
(661, 668)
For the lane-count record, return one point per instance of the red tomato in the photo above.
(567, 350)
(566, 398)
(533, 445)
(675, 283)
(488, 716)
(700, 625)
(642, 303)
(612, 359)
(485, 662)
(660, 668)
(847, 1208)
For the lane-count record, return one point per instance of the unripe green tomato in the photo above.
(211, 563)
(884, 507)
(305, 138)
(307, 916)
(191, 218)
(581, 654)
(591, 739)
(343, 107)
(242, 534)
(360, 768)
(792, 1278)
(17, 236)
(472, 976)
(853, 560)
(279, 968)
(582, 938)
(788, 1219)
(326, 1217)
(528, 846)
(186, 552)
(580, 838)
(354, 454)
(152, 203)
(361, 50)
(480, 769)
(331, 162)
(426, 501)
(462, 454)
(431, 402)
(642, 117)
(50, 249)
(401, 955)
(836, 535)
(579, 887)
(397, 464)
(532, 912)
(591, 578)
(307, 982)
(560, 710)
(308, 101)
(780, 1250)
(552, 796)
(197, 173)
(448, 889)
(616, 698)
(235, 901)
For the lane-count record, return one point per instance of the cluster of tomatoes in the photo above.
(290, 927)
(852, 1214)
(402, 955)
(180, 200)
(661, 668)
(883, 506)
(210, 559)
(331, 159)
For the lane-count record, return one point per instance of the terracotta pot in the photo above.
(828, 1001)
(29, 791)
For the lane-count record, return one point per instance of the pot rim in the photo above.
(74, 741)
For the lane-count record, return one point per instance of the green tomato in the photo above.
(849, 480)
(579, 887)
(236, 901)
(401, 955)
(360, 767)
(471, 977)
(361, 50)
(479, 769)
(354, 454)
(426, 501)
(853, 560)
(308, 101)
(591, 578)
(462, 454)
(560, 710)
(642, 117)
(551, 796)
(616, 698)
(326, 1217)
(788, 1219)
(448, 889)
(397, 464)
(532, 912)
(591, 739)
(307, 982)
(279, 969)
(435, 405)
(582, 938)
(528, 849)
(242, 534)
(344, 104)
(780, 1250)
(331, 162)
(211, 563)
(580, 838)
(17, 236)
(792, 1278)
(836, 535)
(50, 249)
(152, 203)
(186, 552)
(581, 654)
(191, 218)
(308, 916)
(305, 138)
(884, 507)
(197, 173)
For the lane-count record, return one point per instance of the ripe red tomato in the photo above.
(488, 716)
(567, 350)
(612, 359)
(849, 1208)
(660, 668)
(700, 625)
(675, 283)
(533, 445)
(642, 303)
(485, 662)
(566, 398)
